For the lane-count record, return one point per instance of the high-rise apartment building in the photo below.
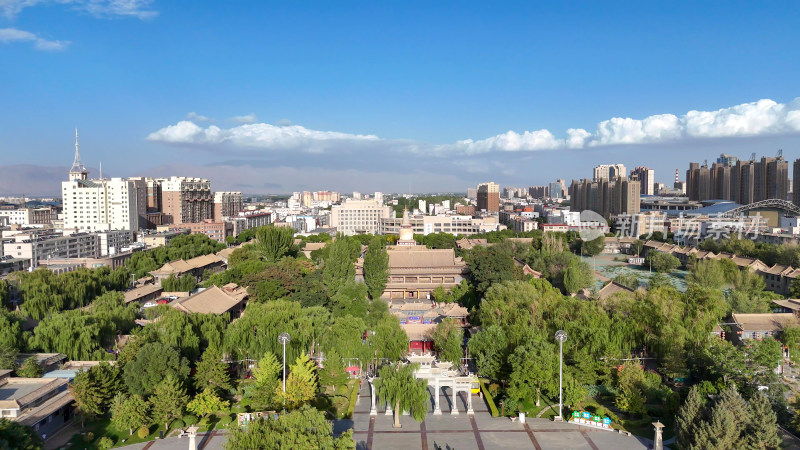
(609, 172)
(227, 204)
(472, 193)
(607, 198)
(359, 216)
(796, 182)
(646, 179)
(746, 182)
(489, 197)
(186, 200)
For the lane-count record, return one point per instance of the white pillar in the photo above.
(469, 402)
(192, 442)
(388, 408)
(454, 412)
(437, 409)
(373, 410)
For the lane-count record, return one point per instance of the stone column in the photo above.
(437, 409)
(373, 410)
(454, 412)
(658, 442)
(388, 409)
(469, 402)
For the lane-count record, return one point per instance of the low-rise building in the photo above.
(44, 404)
(759, 326)
(195, 266)
(217, 231)
(229, 299)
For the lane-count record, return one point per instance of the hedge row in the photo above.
(489, 399)
(353, 398)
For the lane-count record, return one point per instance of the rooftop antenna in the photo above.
(753, 156)
(780, 153)
(676, 175)
(101, 170)
(705, 163)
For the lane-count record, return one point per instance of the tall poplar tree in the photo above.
(168, 401)
(376, 267)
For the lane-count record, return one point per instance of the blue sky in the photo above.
(379, 95)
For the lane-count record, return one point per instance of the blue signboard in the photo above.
(587, 415)
(606, 421)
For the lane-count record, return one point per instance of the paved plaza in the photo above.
(480, 431)
(444, 432)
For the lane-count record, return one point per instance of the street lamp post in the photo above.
(283, 339)
(561, 336)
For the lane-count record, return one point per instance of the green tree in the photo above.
(30, 369)
(333, 372)
(206, 402)
(630, 381)
(593, 247)
(576, 277)
(662, 262)
(301, 384)
(398, 386)
(744, 302)
(153, 362)
(186, 283)
(274, 242)
(376, 267)
(762, 428)
(794, 288)
(489, 347)
(790, 337)
(534, 369)
(94, 389)
(448, 336)
(390, 340)
(707, 273)
(629, 280)
(211, 372)
(129, 411)
(14, 435)
(8, 358)
(339, 266)
(490, 265)
(168, 401)
(267, 378)
(303, 428)
(719, 433)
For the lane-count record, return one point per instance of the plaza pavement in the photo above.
(444, 432)
(481, 431)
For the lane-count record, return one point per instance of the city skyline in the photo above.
(369, 97)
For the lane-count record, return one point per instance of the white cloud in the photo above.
(257, 135)
(764, 117)
(248, 118)
(283, 122)
(10, 35)
(193, 116)
(98, 8)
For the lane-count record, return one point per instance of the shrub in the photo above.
(88, 437)
(489, 398)
(143, 432)
(105, 443)
(353, 397)
(177, 423)
(238, 409)
(494, 388)
(225, 421)
(600, 411)
(189, 419)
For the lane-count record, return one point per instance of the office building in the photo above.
(646, 178)
(609, 172)
(538, 192)
(359, 216)
(489, 197)
(453, 224)
(472, 193)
